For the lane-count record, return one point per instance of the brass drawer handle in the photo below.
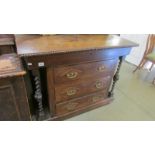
(97, 98)
(101, 68)
(72, 75)
(99, 84)
(71, 92)
(71, 106)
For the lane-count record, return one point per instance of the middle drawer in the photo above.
(65, 92)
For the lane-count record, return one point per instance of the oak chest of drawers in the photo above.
(80, 70)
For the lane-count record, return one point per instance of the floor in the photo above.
(134, 99)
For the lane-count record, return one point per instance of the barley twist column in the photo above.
(116, 77)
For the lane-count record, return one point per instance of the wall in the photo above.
(137, 52)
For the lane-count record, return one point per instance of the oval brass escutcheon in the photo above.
(97, 98)
(101, 68)
(99, 84)
(71, 92)
(72, 105)
(72, 75)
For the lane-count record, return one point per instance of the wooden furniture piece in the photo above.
(149, 54)
(81, 70)
(13, 101)
(7, 43)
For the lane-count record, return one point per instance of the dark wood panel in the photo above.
(13, 101)
(72, 73)
(5, 49)
(51, 92)
(21, 98)
(8, 106)
(7, 44)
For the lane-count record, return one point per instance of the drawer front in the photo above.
(64, 74)
(76, 104)
(68, 91)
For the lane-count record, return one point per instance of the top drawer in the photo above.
(83, 71)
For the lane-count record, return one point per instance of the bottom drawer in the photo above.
(76, 104)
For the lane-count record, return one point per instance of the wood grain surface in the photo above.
(10, 65)
(50, 44)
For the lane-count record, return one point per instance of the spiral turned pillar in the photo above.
(115, 78)
(38, 95)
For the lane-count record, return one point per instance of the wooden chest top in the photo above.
(29, 45)
(10, 65)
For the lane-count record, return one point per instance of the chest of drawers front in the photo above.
(83, 85)
(73, 88)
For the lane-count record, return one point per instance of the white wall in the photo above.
(137, 52)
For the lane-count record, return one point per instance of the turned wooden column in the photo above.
(38, 95)
(116, 77)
